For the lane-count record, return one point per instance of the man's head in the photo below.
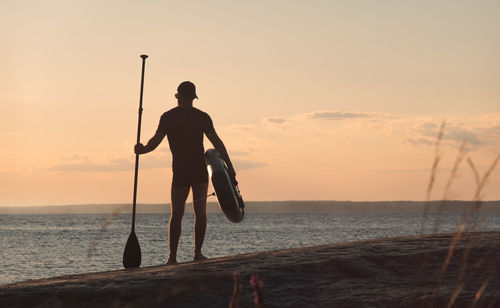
(186, 91)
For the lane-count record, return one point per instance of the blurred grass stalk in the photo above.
(471, 220)
(234, 303)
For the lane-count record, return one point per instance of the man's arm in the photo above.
(152, 144)
(219, 147)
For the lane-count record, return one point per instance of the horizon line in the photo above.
(251, 201)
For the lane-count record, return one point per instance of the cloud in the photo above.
(455, 131)
(419, 141)
(275, 120)
(156, 161)
(428, 129)
(247, 164)
(470, 135)
(476, 132)
(345, 115)
(493, 131)
(243, 127)
(238, 153)
(85, 164)
(321, 130)
(334, 125)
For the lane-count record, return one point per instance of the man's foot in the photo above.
(199, 256)
(171, 261)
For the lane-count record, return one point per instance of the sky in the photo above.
(314, 100)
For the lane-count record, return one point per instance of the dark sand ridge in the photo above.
(391, 272)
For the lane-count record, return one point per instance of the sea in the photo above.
(34, 246)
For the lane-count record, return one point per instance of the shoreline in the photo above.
(402, 271)
(325, 206)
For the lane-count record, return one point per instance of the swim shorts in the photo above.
(190, 175)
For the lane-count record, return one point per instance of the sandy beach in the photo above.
(392, 272)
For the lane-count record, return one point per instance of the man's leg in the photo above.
(200, 217)
(178, 200)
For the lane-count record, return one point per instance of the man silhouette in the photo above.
(184, 127)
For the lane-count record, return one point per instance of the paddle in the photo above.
(132, 252)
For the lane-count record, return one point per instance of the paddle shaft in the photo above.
(138, 141)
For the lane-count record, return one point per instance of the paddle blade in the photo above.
(132, 253)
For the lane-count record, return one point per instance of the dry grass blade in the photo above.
(451, 249)
(455, 295)
(472, 209)
(432, 179)
(479, 189)
(234, 303)
(462, 228)
(435, 163)
(109, 218)
(474, 170)
(485, 178)
(460, 157)
(480, 292)
(461, 275)
(462, 152)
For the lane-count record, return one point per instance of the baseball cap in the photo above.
(187, 89)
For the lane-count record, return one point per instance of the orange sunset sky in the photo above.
(315, 100)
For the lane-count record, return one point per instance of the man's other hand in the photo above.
(232, 176)
(139, 148)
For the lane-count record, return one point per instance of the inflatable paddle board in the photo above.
(228, 195)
